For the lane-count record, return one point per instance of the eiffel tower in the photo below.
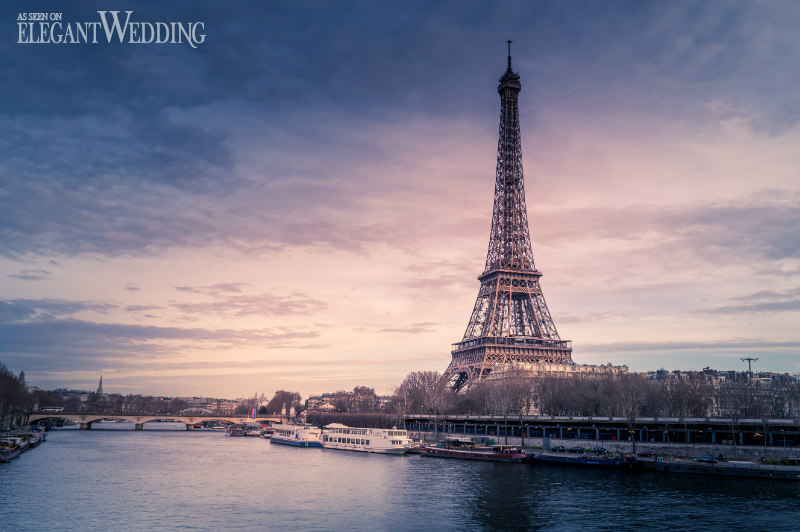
(510, 323)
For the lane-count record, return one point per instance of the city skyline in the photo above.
(303, 201)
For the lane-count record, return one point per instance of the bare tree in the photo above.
(422, 392)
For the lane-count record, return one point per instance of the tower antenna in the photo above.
(509, 54)
(749, 360)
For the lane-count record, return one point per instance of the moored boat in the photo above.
(296, 435)
(17, 441)
(236, 430)
(368, 440)
(9, 450)
(604, 461)
(243, 429)
(732, 468)
(465, 448)
(34, 438)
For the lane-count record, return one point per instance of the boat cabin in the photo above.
(459, 443)
(506, 449)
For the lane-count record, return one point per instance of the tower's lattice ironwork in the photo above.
(510, 322)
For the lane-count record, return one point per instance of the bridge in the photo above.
(139, 420)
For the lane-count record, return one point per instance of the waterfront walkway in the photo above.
(717, 432)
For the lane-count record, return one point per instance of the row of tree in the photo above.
(125, 404)
(691, 394)
(14, 396)
(16, 399)
(627, 395)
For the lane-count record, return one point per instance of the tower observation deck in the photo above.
(510, 322)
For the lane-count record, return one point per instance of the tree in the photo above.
(245, 406)
(364, 399)
(95, 402)
(282, 400)
(510, 392)
(177, 404)
(473, 399)
(422, 392)
(14, 396)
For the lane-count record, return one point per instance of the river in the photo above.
(172, 480)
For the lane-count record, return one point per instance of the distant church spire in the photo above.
(100, 388)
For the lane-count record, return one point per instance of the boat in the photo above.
(41, 430)
(603, 461)
(208, 426)
(266, 432)
(9, 450)
(730, 468)
(465, 448)
(236, 430)
(296, 435)
(17, 441)
(243, 429)
(34, 437)
(367, 440)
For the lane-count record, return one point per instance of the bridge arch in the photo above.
(86, 419)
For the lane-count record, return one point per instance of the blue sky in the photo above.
(303, 201)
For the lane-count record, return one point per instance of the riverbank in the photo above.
(739, 452)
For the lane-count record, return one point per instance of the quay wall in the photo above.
(743, 452)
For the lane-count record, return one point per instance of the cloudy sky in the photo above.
(303, 201)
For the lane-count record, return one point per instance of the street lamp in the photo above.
(632, 437)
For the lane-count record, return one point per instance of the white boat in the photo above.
(297, 435)
(385, 441)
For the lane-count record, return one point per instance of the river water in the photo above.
(171, 480)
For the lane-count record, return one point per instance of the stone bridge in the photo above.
(86, 420)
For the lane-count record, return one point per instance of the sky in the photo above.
(303, 200)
